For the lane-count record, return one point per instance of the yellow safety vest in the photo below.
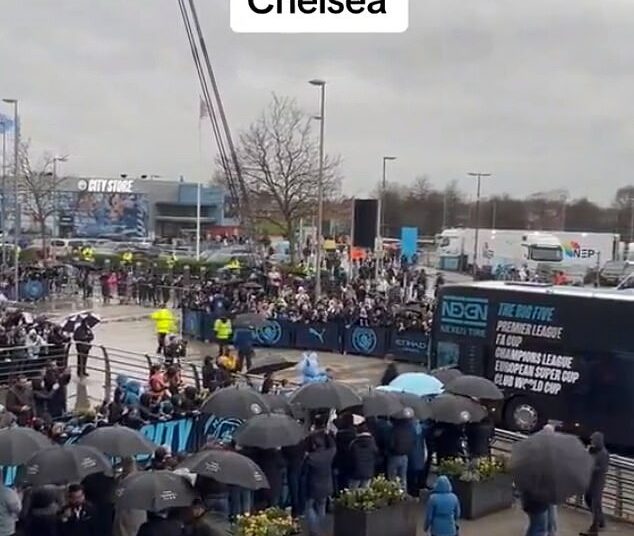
(222, 329)
(88, 254)
(164, 321)
(127, 257)
(171, 261)
(233, 265)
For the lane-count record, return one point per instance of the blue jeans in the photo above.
(239, 501)
(551, 520)
(293, 481)
(397, 469)
(316, 515)
(537, 524)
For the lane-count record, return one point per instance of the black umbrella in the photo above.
(226, 467)
(551, 467)
(64, 465)
(278, 404)
(154, 491)
(270, 432)
(475, 387)
(270, 363)
(235, 403)
(420, 406)
(18, 444)
(381, 404)
(73, 321)
(326, 395)
(446, 375)
(251, 320)
(118, 441)
(454, 409)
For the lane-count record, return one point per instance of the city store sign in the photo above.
(106, 186)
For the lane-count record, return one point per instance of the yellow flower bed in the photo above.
(271, 522)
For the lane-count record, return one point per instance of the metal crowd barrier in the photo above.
(618, 497)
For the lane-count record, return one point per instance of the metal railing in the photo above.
(618, 497)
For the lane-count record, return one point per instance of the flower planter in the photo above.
(400, 519)
(480, 498)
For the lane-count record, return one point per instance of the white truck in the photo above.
(578, 251)
(456, 248)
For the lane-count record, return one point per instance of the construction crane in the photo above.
(212, 100)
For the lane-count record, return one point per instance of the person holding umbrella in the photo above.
(203, 523)
(79, 517)
(10, 508)
(83, 337)
(594, 494)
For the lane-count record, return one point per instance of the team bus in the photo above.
(558, 353)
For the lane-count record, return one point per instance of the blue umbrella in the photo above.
(417, 383)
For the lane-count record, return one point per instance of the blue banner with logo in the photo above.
(365, 341)
(409, 242)
(409, 346)
(274, 333)
(318, 336)
(33, 290)
(192, 323)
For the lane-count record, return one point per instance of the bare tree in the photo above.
(279, 155)
(38, 191)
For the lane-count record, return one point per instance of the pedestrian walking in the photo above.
(594, 495)
(443, 510)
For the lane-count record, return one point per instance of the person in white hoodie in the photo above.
(10, 508)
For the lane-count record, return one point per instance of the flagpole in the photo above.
(201, 172)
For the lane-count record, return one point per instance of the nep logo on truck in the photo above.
(573, 250)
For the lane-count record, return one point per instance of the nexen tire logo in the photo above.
(465, 311)
(319, 16)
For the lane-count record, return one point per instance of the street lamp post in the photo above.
(380, 220)
(321, 84)
(16, 173)
(4, 194)
(477, 219)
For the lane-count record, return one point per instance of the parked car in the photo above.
(613, 272)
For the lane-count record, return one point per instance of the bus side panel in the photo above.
(572, 357)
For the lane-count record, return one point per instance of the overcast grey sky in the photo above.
(538, 93)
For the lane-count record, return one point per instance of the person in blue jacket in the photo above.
(243, 341)
(443, 510)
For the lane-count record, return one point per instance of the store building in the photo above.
(88, 207)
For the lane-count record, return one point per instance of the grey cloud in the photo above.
(536, 92)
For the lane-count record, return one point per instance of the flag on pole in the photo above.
(6, 123)
(204, 111)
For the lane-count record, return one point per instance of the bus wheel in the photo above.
(522, 415)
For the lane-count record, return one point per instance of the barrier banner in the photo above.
(318, 336)
(210, 427)
(274, 333)
(365, 341)
(184, 435)
(192, 323)
(409, 346)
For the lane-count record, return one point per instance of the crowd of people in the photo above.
(392, 300)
